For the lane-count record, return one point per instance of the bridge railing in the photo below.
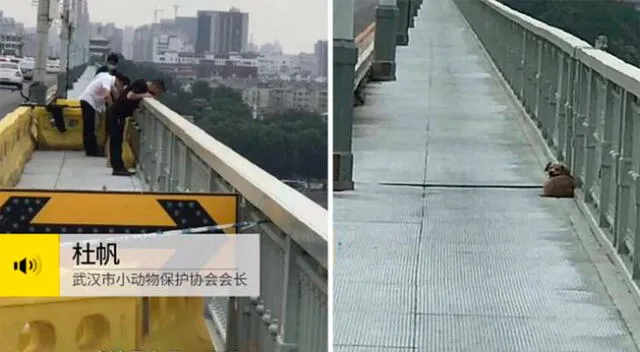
(291, 312)
(365, 42)
(586, 104)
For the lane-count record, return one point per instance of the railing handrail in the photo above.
(607, 65)
(370, 29)
(365, 42)
(567, 42)
(612, 68)
(51, 93)
(296, 215)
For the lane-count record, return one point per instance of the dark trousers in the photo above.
(106, 126)
(115, 126)
(89, 128)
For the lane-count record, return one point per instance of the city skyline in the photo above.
(264, 26)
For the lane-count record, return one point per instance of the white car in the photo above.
(53, 67)
(10, 74)
(27, 66)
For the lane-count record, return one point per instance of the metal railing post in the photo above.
(384, 62)
(413, 12)
(345, 56)
(402, 29)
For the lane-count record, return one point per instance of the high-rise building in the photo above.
(143, 43)
(143, 37)
(11, 35)
(111, 33)
(221, 32)
(166, 49)
(187, 28)
(127, 42)
(322, 56)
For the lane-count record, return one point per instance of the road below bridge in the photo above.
(10, 99)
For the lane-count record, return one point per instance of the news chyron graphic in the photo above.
(144, 245)
(156, 265)
(34, 265)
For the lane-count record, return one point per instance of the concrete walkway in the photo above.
(445, 244)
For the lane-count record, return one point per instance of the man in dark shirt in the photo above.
(124, 107)
(112, 62)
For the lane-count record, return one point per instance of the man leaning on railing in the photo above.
(124, 107)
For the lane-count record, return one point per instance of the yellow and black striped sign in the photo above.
(60, 212)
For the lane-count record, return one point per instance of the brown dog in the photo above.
(561, 183)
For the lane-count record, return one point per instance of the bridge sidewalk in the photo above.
(445, 244)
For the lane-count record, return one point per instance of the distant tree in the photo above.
(619, 21)
(288, 144)
(201, 89)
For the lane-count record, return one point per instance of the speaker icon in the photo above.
(31, 265)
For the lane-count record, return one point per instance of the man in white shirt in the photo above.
(92, 102)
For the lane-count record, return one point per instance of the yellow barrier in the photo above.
(16, 145)
(94, 324)
(49, 138)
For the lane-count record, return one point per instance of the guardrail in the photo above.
(51, 93)
(291, 312)
(365, 43)
(74, 73)
(586, 104)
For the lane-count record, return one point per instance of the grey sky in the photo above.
(296, 23)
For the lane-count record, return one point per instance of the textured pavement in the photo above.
(72, 170)
(445, 244)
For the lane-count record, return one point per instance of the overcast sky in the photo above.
(298, 24)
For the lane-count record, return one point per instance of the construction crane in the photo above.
(175, 11)
(155, 14)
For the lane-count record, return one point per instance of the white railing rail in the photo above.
(292, 212)
(51, 93)
(365, 43)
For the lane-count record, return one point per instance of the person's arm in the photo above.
(138, 96)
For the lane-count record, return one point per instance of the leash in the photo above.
(240, 226)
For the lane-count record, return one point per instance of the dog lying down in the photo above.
(560, 184)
